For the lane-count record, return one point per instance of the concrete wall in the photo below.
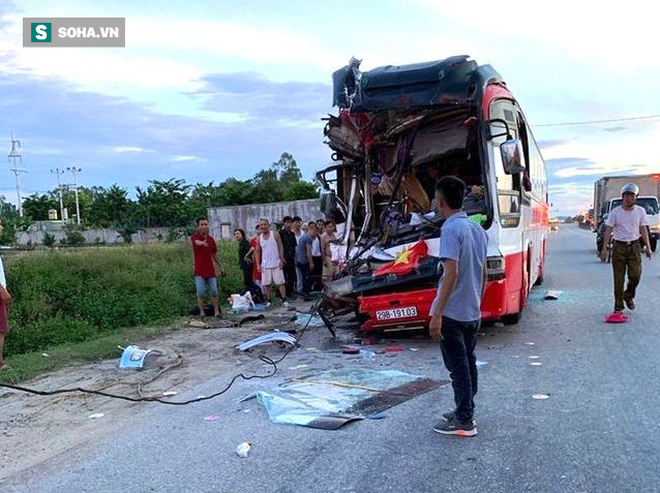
(108, 236)
(224, 220)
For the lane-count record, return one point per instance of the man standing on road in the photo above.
(289, 243)
(305, 260)
(298, 233)
(626, 223)
(456, 310)
(205, 256)
(269, 257)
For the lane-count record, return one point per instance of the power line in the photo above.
(13, 156)
(592, 122)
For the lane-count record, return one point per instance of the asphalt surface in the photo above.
(597, 431)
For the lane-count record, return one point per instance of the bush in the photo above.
(48, 240)
(73, 296)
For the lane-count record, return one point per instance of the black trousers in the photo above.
(247, 276)
(290, 276)
(317, 274)
(457, 345)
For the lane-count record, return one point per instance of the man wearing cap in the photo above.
(626, 224)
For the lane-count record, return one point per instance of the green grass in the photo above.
(29, 365)
(69, 297)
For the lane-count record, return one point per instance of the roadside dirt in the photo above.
(34, 429)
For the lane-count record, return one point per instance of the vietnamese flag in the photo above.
(406, 260)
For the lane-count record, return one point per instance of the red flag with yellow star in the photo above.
(406, 260)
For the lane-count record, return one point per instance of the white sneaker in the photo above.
(268, 304)
(285, 303)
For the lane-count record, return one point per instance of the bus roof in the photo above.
(455, 80)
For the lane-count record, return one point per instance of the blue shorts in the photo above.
(201, 283)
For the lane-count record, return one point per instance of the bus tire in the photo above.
(512, 318)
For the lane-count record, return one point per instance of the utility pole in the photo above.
(59, 172)
(14, 155)
(74, 171)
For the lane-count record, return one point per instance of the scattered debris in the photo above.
(133, 357)
(331, 399)
(241, 303)
(533, 357)
(250, 318)
(96, 416)
(299, 367)
(377, 416)
(45, 355)
(413, 349)
(553, 295)
(529, 343)
(541, 397)
(243, 450)
(393, 349)
(481, 363)
(212, 418)
(309, 320)
(499, 325)
(198, 324)
(535, 363)
(170, 393)
(282, 337)
(350, 349)
(368, 356)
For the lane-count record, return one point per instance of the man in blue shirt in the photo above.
(456, 310)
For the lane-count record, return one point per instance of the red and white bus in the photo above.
(399, 129)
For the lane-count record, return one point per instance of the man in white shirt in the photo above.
(626, 224)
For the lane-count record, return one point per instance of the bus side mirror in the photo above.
(512, 156)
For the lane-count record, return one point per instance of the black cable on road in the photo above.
(159, 400)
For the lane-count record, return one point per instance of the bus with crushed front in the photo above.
(398, 130)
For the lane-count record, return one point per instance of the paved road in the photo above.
(597, 432)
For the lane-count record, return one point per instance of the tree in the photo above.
(271, 185)
(48, 240)
(163, 203)
(110, 207)
(36, 206)
(126, 233)
(301, 191)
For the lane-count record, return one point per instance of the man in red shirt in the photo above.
(205, 255)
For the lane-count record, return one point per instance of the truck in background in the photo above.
(607, 196)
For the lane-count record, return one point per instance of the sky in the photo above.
(206, 90)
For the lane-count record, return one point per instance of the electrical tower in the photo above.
(74, 171)
(59, 172)
(15, 158)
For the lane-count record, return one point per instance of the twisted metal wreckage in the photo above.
(398, 130)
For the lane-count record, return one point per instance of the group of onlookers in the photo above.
(296, 259)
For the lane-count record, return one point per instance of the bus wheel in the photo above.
(512, 318)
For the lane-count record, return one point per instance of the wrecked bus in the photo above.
(398, 130)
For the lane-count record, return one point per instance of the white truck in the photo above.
(607, 196)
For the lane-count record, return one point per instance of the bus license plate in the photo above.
(394, 313)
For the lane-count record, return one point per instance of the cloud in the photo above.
(126, 149)
(265, 43)
(129, 143)
(549, 143)
(256, 96)
(612, 35)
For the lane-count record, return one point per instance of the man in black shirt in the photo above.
(289, 243)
